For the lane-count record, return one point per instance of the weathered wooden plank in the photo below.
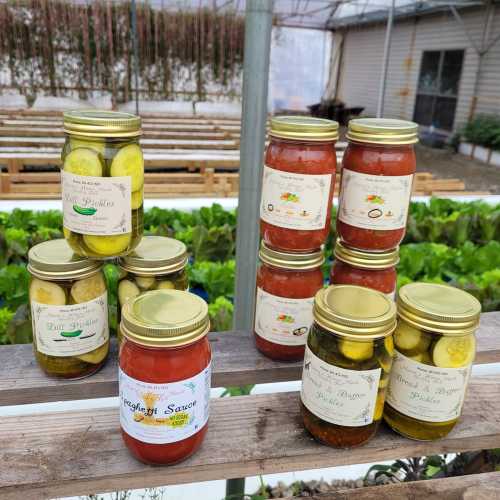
(236, 361)
(485, 486)
(81, 452)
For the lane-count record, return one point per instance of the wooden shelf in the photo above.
(235, 362)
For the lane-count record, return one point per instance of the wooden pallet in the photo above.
(81, 451)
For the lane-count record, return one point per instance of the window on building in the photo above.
(437, 89)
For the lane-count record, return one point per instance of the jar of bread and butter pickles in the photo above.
(434, 349)
(69, 310)
(347, 364)
(102, 180)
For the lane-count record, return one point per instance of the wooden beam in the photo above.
(81, 452)
(236, 361)
(473, 486)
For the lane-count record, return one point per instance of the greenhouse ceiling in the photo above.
(325, 14)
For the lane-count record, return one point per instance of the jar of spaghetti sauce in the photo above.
(164, 375)
(286, 286)
(347, 364)
(377, 175)
(375, 270)
(435, 346)
(298, 183)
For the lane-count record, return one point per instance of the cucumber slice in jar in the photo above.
(357, 351)
(389, 345)
(454, 352)
(127, 290)
(379, 406)
(137, 199)
(107, 245)
(95, 144)
(88, 288)
(166, 285)
(408, 338)
(83, 161)
(423, 357)
(145, 282)
(129, 162)
(46, 292)
(96, 356)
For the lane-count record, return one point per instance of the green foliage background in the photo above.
(446, 242)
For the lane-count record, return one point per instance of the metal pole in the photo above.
(258, 24)
(135, 48)
(385, 60)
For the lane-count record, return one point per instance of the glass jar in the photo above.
(376, 181)
(158, 263)
(164, 375)
(69, 310)
(347, 363)
(286, 286)
(298, 183)
(435, 347)
(375, 270)
(102, 183)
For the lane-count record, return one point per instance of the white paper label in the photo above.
(426, 392)
(281, 320)
(70, 330)
(96, 205)
(374, 201)
(339, 396)
(295, 201)
(164, 413)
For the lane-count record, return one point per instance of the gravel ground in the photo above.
(444, 163)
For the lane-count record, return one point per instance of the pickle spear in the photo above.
(83, 161)
(454, 352)
(129, 162)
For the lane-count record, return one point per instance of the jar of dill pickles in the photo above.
(102, 179)
(69, 310)
(347, 364)
(434, 349)
(158, 263)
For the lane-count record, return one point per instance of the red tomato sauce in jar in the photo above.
(164, 375)
(298, 183)
(376, 270)
(377, 175)
(286, 286)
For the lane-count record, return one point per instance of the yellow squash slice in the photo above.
(46, 292)
(454, 352)
(357, 351)
(83, 162)
(108, 245)
(129, 162)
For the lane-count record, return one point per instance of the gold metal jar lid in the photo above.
(382, 131)
(355, 312)
(293, 261)
(165, 318)
(366, 260)
(96, 123)
(438, 308)
(55, 260)
(156, 255)
(304, 128)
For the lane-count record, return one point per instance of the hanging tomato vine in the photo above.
(58, 47)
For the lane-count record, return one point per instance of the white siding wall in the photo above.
(362, 61)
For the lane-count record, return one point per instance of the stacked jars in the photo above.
(297, 191)
(377, 174)
(102, 178)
